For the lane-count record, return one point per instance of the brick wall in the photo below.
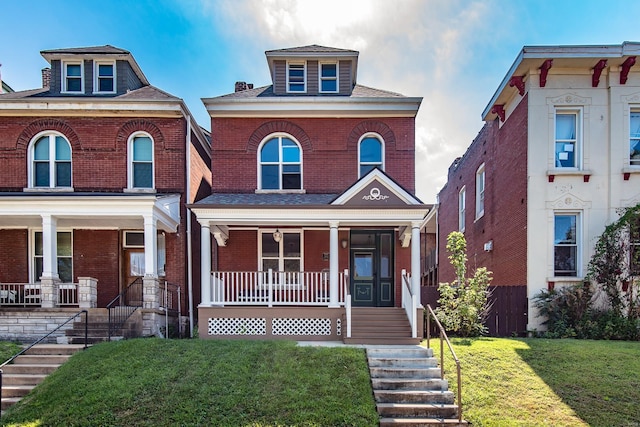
(503, 150)
(96, 253)
(330, 151)
(14, 256)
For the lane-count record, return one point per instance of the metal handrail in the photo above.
(443, 337)
(24, 350)
(126, 310)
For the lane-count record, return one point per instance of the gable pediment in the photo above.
(374, 190)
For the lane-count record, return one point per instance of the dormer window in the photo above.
(72, 80)
(104, 77)
(328, 77)
(296, 77)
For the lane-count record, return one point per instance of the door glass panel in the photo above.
(136, 263)
(363, 265)
(385, 256)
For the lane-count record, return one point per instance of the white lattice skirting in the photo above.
(279, 326)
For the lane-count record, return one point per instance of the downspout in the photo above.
(188, 199)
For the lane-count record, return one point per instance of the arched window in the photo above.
(370, 154)
(280, 164)
(50, 161)
(141, 170)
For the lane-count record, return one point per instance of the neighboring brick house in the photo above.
(557, 157)
(97, 167)
(312, 207)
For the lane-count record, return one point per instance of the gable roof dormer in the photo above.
(93, 71)
(313, 70)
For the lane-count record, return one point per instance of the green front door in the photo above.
(372, 268)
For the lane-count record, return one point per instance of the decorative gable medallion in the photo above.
(376, 190)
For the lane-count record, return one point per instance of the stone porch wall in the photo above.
(26, 326)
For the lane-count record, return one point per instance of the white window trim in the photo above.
(633, 109)
(32, 252)
(481, 193)
(30, 162)
(579, 245)
(579, 144)
(321, 78)
(382, 148)
(130, 187)
(281, 257)
(161, 249)
(96, 77)
(259, 166)
(462, 209)
(64, 64)
(304, 76)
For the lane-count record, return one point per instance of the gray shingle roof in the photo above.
(87, 50)
(143, 93)
(270, 199)
(359, 91)
(313, 48)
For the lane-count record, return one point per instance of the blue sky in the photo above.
(454, 53)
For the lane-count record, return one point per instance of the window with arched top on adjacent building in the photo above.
(141, 164)
(370, 153)
(49, 161)
(279, 163)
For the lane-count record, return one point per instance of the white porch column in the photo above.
(150, 246)
(415, 259)
(205, 264)
(333, 265)
(49, 248)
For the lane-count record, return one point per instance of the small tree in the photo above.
(464, 305)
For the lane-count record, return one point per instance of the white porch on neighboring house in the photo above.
(311, 303)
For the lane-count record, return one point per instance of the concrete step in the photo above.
(402, 352)
(381, 339)
(420, 422)
(50, 359)
(22, 379)
(422, 410)
(16, 390)
(29, 369)
(54, 349)
(414, 396)
(402, 372)
(405, 362)
(9, 401)
(409, 384)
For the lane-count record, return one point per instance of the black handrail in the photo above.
(24, 350)
(443, 337)
(124, 305)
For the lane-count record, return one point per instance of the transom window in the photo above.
(480, 191)
(328, 77)
(296, 77)
(370, 154)
(50, 161)
(634, 138)
(141, 172)
(462, 208)
(280, 164)
(565, 245)
(104, 77)
(281, 254)
(64, 256)
(72, 80)
(567, 139)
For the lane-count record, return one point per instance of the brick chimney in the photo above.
(240, 86)
(46, 77)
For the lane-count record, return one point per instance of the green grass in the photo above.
(7, 350)
(152, 382)
(540, 382)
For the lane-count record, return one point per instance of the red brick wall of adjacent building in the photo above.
(503, 150)
(14, 256)
(329, 150)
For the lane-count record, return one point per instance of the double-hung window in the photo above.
(370, 154)
(566, 240)
(480, 191)
(280, 164)
(141, 174)
(104, 77)
(64, 256)
(72, 77)
(328, 77)
(281, 254)
(50, 162)
(296, 77)
(462, 208)
(567, 139)
(634, 138)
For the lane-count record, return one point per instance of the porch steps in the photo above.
(98, 328)
(31, 368)
(408, 389)
(380, 325)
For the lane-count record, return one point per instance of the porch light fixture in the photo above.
(344, 242)
(277, 236)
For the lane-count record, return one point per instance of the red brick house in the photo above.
(97, 167)
(312, 225)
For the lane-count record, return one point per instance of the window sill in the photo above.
(48, 189)
(281, 191)
(139, 190)
(585, 174)
(563, 281)
(627, 171)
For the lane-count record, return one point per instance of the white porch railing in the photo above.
(410, 303)
(68, 294)
(273, 288)
(347, 302)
